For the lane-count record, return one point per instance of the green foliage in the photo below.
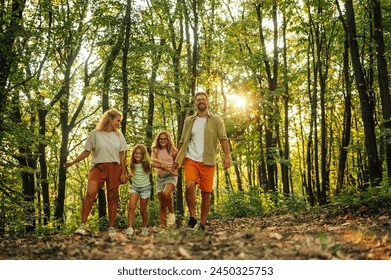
(241, 204)
(14, 217)
(373, 200)
(46, 230)
(253, 204)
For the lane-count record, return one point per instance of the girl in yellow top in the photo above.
(140, 168)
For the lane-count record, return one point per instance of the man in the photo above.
(197, 152)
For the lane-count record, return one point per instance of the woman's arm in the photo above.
(79, 158)
(122, 158)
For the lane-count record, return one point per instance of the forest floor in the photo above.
(271, 237)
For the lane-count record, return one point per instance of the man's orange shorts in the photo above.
(198, 172)
(106, 172)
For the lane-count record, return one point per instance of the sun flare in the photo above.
(237, 101)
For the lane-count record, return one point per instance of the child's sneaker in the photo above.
(112, 234)
(81, 230)
(129, 232)
(170, 219)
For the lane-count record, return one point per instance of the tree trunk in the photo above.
(272, 74)
(43, 167)
(347, 121)
(312, 123)
(285, 167)
(176, 45)
(384, 84)
(27, 164)
(375, 170)
(9, 32)
(125, 76)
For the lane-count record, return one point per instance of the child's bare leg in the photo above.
(169, 188)
(163, 210)
(143, 210)
(133, 198)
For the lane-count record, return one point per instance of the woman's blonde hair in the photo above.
(105, 120)
(145, 162)
(170, 143)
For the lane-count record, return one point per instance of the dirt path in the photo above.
(288, 237)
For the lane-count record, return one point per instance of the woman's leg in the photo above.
(112, 195)
(92, 190)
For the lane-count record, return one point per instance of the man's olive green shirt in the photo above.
(214, 132)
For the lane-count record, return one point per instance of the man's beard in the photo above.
(202, 107)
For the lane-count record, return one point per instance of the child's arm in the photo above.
(173, 171)
(129, 176)
(157, 163)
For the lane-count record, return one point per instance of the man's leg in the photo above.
(206, 186)
(205, 206)
(190, 195)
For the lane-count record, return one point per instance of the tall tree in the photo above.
(10, 28)
(73, 39)
(347, 120)
(367, 110)
(384, 84)
(272, 76)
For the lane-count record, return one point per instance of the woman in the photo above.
(108, 165)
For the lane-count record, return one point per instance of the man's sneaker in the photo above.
(81, 230)
(129, 232)
(112, 234)
(144, 231)
(202, 227)
(192, 224)
(170, 219)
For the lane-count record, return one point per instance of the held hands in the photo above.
(127, 177)
(123, 179)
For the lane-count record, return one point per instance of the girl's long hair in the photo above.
(145, 161)
(104, 122)
(170, 143)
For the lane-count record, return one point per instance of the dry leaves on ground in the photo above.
(288, 237)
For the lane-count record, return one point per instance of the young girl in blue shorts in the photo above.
(140, 169)
(163, 155)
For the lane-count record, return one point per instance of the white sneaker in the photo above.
(170, 219)
(81, 230)
(112, 234)
(129, 232)
(144, 231)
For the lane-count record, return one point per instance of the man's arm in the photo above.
(227, 156)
